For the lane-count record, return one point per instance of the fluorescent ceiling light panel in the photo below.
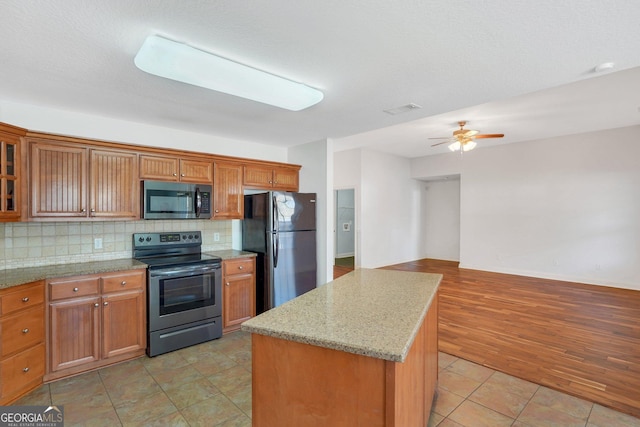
(177, 61)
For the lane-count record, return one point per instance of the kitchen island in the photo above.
(358, 351)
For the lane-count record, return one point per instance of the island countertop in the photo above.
(374, 313)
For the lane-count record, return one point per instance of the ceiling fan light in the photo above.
(183, 63)
(455, 146)
(469, 146)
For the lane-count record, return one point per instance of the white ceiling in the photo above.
(523, 68)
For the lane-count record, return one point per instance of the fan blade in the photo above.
(440, 143)
(489, 135)
(441, 137)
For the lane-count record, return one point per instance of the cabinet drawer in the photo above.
(22, 369)
(123, 282)
(21, 331)
(238, 266)
(24, 298)
(61, 289)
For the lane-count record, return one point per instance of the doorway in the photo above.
(344, 251)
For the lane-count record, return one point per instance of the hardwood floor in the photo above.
(583, 340)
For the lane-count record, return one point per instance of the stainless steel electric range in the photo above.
(184, 305)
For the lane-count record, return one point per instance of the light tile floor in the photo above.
(210, 385)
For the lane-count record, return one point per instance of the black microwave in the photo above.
(175, 200)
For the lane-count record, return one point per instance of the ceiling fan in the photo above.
(463, 139)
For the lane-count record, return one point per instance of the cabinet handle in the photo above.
(106, 303)
(75, 289)
(123, 283)
(25, 370)
(96, 305)
(25, 299)
(25, 331)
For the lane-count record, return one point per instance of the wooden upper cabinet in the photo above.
(164, 168)
(114, 184)
(271, 178)
(58, 180)
(228, 197)
(61, 186)
(10, 172)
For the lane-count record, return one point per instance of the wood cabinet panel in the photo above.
(22, 336)
(21, 331)
(166, 168)
(58, 181)
(271, 178)
(119, 282)
(238, 292)
(123, 332)
(21, 373)
(10, 172)
(228, 195)
(22, 298)
(114, 184)
(73, 287)
(74, 332)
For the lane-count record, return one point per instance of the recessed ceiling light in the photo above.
(605, 66)
(183, 63)
(403, 109)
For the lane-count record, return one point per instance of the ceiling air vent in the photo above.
(403, 109)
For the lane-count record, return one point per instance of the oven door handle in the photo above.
(183, 271)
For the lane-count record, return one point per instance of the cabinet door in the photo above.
(123, 323)
(74, 333)
(228, 198)
(238, 300)
(258, 176)
(58, 181)
(114, 184)
(158, 167)
(9, 176)
(196, 171)
(285, 179)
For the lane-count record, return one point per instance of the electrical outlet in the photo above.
(97, 243)
(216, 237)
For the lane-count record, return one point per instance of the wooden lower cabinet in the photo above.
(95, 320)
(22, 338)
(238, 292)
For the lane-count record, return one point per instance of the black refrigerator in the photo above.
(281, 228)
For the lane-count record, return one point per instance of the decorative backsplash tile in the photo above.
(27, 244)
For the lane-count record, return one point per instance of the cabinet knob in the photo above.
(25, 299)
(96, 305)
(25, 370)
(228, 283)
(181, 174)
(217, 211)
(25, 331)
(175, 174)
(106, 303)
(83, 210)
(123, 283)
(93, 210)
(75, 289)
(240, 267)
(270, 182)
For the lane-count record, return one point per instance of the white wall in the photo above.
(440, 237)
(562, 208)
(387, 208)
(77, 124)
(317, 177)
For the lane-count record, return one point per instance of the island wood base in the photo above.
(298, 384)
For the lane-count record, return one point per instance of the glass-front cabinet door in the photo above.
(9, 173)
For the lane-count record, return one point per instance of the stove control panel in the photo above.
(167, 239)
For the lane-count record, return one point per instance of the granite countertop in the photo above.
(231, 254)
(375, 313)
(19, 276)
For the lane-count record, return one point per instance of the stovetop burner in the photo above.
(171, 249)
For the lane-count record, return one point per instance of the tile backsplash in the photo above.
(28, 244)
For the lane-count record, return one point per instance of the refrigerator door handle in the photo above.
(276, 229)
(276, 245)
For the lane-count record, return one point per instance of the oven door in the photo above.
(180, 295)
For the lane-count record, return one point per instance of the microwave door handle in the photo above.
(198, 202)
